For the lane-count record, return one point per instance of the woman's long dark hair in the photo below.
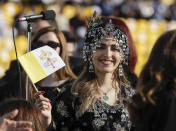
(159, 73)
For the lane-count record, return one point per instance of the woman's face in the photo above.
(51, 38)
(107, 57)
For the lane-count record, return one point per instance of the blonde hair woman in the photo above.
(97, 100)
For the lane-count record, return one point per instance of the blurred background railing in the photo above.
(146, 20)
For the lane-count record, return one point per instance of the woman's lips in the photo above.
(106, 62)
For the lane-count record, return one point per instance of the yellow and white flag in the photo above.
(40, 63)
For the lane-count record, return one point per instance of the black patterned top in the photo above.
(102, 117)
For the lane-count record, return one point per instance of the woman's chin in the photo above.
(106, 70)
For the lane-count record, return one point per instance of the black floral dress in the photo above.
(54, 92)
(100, 117)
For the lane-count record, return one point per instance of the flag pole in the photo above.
(35, 88)
(29, 29)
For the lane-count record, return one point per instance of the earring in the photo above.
(91, 68)
(120, 70)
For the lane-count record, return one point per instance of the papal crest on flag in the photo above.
(40, 63)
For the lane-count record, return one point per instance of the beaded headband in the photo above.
(98, 29)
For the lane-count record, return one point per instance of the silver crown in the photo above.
(108, 31)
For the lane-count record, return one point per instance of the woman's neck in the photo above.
(104, 80)
(108, 89)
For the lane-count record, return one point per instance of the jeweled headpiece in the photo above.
(98, 28)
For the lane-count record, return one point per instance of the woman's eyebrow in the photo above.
(113, 44)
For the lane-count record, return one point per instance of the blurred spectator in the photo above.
(71, 42)
(37, 25)
(76, 62)
(161, 11)
(129, 8)
(173, 11)
(6, 124)
(75, 22)
(146, 9)
(153, 106)
(27, 112)
(108, 6)
(9, 84)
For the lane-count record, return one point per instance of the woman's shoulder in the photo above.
(66, 86)
(67, 83)
(58, 92)
(65, 91)
(162, 103)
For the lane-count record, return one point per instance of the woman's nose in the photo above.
(108, 52)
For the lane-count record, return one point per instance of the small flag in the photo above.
(40, 63)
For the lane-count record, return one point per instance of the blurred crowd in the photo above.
(146, 20)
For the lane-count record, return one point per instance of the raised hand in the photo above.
(6, 124)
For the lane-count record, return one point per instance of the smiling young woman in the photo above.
(107, 56)
(97, 100)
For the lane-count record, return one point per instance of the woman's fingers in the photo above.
(10, 115)
(42, 100)
(43, 104)
(23, 129)
(36, 95)
(6, 124)
(20, 124)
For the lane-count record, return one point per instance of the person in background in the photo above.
(52, 84)
(24, 111)
(99, 96)
(7, 124)
(11, 77)
(39, 24)
(153, 106)
(9, 83)
(76, 63)
(71, 42)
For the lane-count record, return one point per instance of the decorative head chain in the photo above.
(97, 29)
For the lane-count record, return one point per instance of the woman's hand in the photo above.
(43, 104)
(6, 124)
